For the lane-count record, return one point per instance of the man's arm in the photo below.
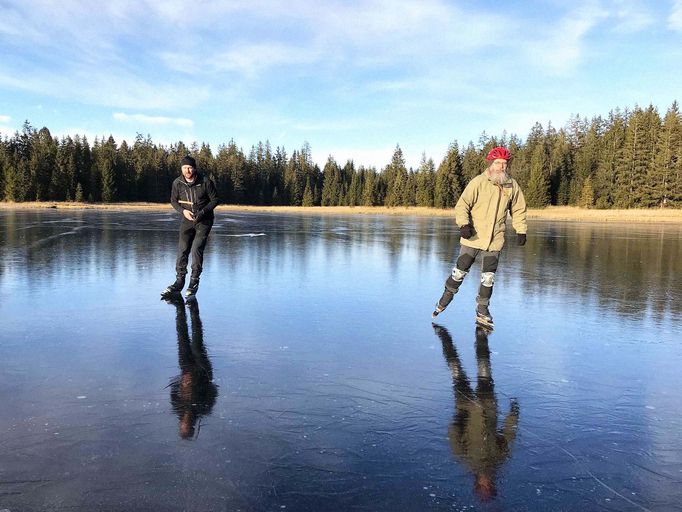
(518, 212)
(213, 201)
(175, 197)
(464, 204)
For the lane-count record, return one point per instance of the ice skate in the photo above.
(437, 310)
(174, 299)
(174, 288)
(192, 289)
(483, 317)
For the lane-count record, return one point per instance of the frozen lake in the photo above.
(310, 376)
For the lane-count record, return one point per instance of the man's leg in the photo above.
(485, 290)
(198, 245)
(185, 237)
(467, 256)
(185, 241)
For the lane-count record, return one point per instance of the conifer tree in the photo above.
(587, 194)
(308, 197)
(79, 193)
(612, 146)
(106, 164)
(667, 161)
(586, 158)
(331, 186)
(472, 163)
(537, 195)
(369, 192)
(638, 155)
(449, 181)
(426, 182)
(396, 178)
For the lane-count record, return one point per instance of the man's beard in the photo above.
(498, 178)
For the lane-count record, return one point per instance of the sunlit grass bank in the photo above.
(556, 213)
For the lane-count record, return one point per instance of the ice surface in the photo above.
(309, 375)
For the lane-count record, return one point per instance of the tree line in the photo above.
(630, 159)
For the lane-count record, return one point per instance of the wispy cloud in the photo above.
(631, 16)
(675, 18)
(561, 46)
(5, 119)
(153, 120)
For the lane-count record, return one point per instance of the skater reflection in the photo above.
(192, 393)
(474, 436)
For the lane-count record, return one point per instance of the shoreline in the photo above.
(551, 213)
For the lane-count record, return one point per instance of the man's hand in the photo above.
(188, 215)
(521, 238)
(467, 231)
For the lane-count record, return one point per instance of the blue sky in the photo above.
(352, 78)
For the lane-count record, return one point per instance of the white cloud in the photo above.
(153, 120)
(560, 47)
(631, 16)
(5, 119)
(675, 18)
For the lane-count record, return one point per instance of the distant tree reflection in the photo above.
(192, 393)
(474, 435)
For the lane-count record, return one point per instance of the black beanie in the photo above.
(188, 160)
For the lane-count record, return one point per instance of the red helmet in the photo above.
(498, 152)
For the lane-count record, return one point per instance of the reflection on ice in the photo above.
(192, 393)
(474, 435)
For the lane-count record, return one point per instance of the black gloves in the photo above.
(199, 215)
(467, 231)
(521, 238)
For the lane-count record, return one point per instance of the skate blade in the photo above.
(175, 299)
(165, 294)
(485, 324)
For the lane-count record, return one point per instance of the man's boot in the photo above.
(483, 316)
(452, 285)
(192, 288)
(176, 287)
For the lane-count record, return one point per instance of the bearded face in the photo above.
(497, 172)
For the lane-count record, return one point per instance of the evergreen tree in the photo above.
(612, 146)
(587, 194)
(79, 193)
(106, 164)
(354, 197)
(369, 191)
(473, 163)
(537, 194)
(586, 158)
(662, 174)
(331, 183)
(426, 182)
(449, 181)
(308, 197)
(632, 169)
(396, 178)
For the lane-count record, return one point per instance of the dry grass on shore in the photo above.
(553, 213)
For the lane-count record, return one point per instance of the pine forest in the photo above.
(630, 159)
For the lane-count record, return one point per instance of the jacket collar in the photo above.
(198, 178)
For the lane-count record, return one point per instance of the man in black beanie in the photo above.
(194, 196)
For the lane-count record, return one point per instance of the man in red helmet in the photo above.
(481, 214)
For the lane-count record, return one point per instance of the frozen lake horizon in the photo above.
(309, 375)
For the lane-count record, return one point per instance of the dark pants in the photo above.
(193, 238)
(466, 258)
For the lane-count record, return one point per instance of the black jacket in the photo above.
(200, 197)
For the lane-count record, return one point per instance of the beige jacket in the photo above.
(484, 205)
